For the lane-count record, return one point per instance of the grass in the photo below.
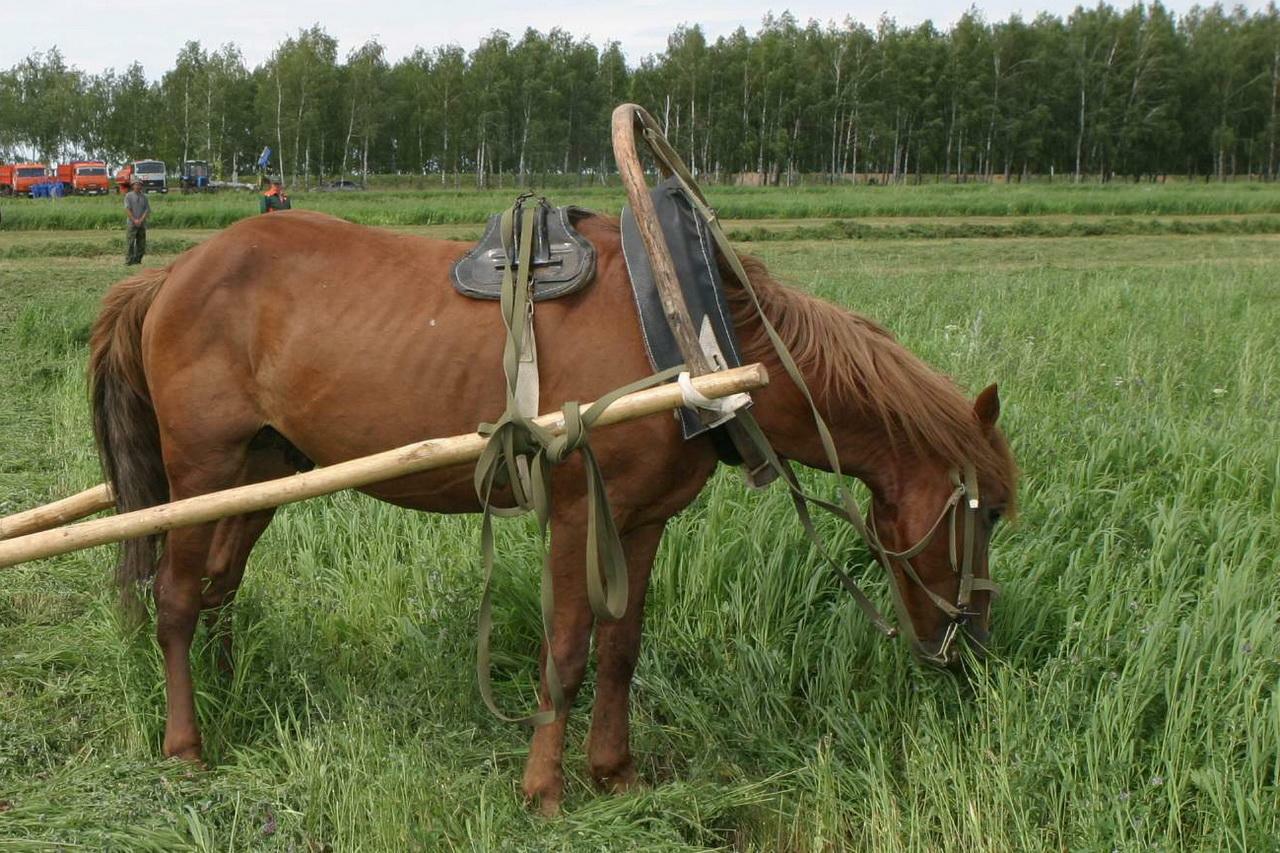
(1044, 226)
(1133, 700)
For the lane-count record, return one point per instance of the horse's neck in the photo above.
(866, 447)
(863, 446)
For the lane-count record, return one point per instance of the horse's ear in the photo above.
(987, 407)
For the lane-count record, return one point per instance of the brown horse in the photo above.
(300, 338)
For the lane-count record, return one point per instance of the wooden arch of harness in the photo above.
(762, 462)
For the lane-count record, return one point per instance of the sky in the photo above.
(94, 35)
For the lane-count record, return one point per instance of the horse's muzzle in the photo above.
(945, 652)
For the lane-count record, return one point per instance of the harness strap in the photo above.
(847, 509)
(801, 501)
(516, 445)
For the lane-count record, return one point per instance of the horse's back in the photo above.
(349, 340)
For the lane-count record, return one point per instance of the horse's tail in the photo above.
(124, 423)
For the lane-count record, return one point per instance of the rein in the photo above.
(964, 496)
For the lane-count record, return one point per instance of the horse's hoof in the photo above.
(620, 781)
(616, 776)
(549, 807)
(189, 755)
(546, 797)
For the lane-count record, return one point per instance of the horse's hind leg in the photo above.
(617, 648)
(198, 464)
(202, 566)
(233, 540)
(269, 456)
(177, 594)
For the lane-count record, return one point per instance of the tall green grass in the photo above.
(1132, 701)
(435, 207)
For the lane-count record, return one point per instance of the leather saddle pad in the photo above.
(693, 253)
(564, 261)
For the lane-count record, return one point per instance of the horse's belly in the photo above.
(446, 491)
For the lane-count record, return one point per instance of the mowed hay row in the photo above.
(459, 206)
(1130, 702)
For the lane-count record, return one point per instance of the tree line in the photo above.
(1104, 93)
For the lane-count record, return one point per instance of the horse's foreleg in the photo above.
(570, 637)
(177, 595)
(617, 648)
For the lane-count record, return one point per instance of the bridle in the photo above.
(964, 499)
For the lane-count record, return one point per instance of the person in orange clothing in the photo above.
(274, 198)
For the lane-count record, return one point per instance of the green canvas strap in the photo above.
(515, 437)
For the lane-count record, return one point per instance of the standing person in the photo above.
(274, 198)
(138, 210)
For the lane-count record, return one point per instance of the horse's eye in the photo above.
(994, 515)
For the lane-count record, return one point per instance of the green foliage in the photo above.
(1131, 701)
(1105, 93)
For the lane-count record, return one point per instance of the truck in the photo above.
(19, 178)
(194, 177)
(85, 177)
(150, 172)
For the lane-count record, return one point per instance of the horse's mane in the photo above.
(856, 360)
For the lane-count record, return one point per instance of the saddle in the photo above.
(564, 262)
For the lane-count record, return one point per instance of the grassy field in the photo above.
(1132, 702)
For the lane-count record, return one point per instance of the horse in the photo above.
(300, 339)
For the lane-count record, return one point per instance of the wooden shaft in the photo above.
(58, 513)
(626, 119)
(410, 459)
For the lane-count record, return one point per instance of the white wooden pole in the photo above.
(410, 459)
(58, 513)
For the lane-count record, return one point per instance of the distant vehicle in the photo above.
(194, 177)
(85, 177)
(150, 172)
(21, 178)
(339, 186)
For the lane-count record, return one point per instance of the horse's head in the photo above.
(935, 527)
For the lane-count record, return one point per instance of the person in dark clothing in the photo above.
(274, 198)
(138, 210)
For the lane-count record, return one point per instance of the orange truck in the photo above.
(19, 178)
(150, 172)
(85, 177)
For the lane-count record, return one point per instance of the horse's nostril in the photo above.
(979, 638)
